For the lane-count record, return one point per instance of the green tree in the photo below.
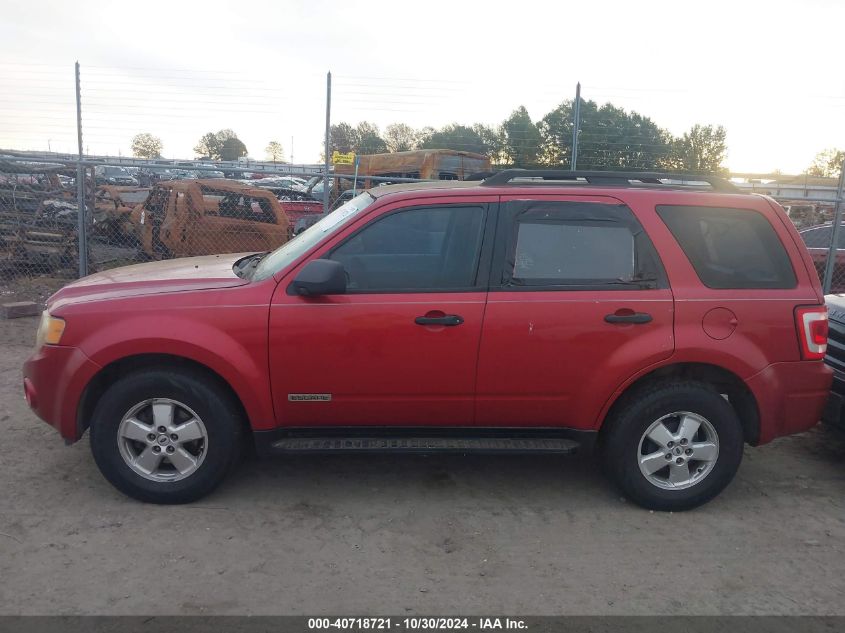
(145, 145)
(211, 144)
(232, 149)
(609, 138)
(274, 150)
(207, 146)
(522, 139)
(423, 134)
(400, 137)
(369, 140)
(365, 138)
(343, 138)
(454, 136)
(493, 140)
(703, 148)
(827, 163)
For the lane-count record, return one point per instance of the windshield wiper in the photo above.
(246, 266)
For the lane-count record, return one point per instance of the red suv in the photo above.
(667, 323)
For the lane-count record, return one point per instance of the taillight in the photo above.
(812, 331)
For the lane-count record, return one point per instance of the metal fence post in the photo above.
(328, 133)
(830, 265)
(81, 225)
(576, 116)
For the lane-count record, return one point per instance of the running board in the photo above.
(489, 445)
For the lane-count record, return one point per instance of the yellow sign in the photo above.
(343, 159)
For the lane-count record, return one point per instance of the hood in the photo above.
(173, 275)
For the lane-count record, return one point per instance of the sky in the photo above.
(772, 73)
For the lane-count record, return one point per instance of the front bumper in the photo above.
(790, 397)
(54, 379)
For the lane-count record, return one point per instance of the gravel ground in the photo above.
(408, 535)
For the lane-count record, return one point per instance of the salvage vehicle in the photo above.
(316, 185)
(23, 186)
(428, 164)
(804, 215)
(37, 215)
(112, 208)
(148, 176)
(664, 323)
(296, 202)
(425, 164)
(113, 175)
(47, 239)
(200, 217)
(285, 182)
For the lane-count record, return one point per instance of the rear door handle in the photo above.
(634, 317)
(446, 319)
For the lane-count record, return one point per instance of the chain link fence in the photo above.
(811, 204)
(137, 211)
(134, 210)
(148, 212)
(39, 239)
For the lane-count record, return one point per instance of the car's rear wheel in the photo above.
(166, 436)
(674, 446)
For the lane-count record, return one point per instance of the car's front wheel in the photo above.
(674, 446)
(166, 436)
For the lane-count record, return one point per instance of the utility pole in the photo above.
(81, 228)
(328, 132)
(576, 119)
(832, 253)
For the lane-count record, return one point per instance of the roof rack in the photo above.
(617, 178)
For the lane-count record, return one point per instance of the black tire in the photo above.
(636, 413)
(220, 415)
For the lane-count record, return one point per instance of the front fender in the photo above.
(229, 340)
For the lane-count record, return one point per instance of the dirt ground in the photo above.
(408, 535)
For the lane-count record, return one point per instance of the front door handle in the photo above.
(441, 319)
(628, 317)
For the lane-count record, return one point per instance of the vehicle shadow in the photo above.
(824, 442)
(497, 478)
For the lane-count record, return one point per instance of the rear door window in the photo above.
(730, 248)
(570, 244)
(574, 250)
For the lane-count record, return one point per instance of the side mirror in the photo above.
(320, 277)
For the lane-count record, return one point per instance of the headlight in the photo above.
(50, 330)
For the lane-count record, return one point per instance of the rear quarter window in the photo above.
(730, 248)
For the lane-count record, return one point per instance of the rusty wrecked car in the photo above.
(112, 207)
(204, 217)
(38, 216)
(426, 164)
(46, 240)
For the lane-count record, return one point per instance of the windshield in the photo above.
(288, 252)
